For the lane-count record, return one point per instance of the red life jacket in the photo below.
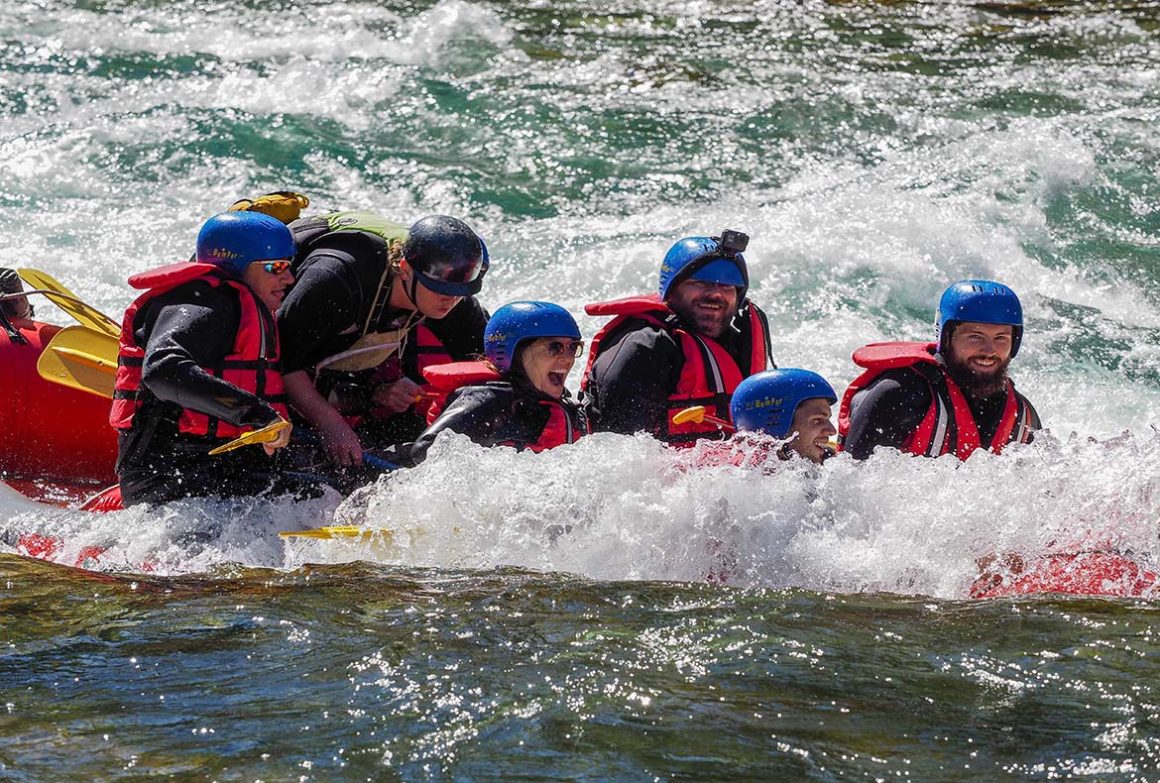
(252, 365)
(429, 352)
(948, 426)
(709, 375)
(446, 378)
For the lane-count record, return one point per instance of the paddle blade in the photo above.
(330, 532)
(82, 359)
(695, 414)
(267, 434)
(85, 314)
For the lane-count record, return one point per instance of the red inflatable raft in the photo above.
(1071, 573)
(48, 430)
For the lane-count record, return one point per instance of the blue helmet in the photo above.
(766, 402)
(981, 301)
(232, 241)
(514, 323)
(714, 259)
(447, 256)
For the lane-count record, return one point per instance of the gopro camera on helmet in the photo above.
(733, 241)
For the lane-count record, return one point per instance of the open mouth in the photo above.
(556, 378)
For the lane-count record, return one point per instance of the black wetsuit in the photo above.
(324, 314)
(638, 367)
(192, 326)
(497, 413)
(891, 408)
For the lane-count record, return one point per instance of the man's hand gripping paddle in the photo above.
(267, 434)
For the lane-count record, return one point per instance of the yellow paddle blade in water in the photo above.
(369, 542)
(334, 531)
(78, 357)
(85, 314)
(267, 434)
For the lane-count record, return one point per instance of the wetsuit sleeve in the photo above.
(633, 380)
(886, 412)
(478, 412)
(184, 330)
(322, 304)
(461, 331)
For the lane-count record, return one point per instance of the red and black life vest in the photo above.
(709, 375)
(252, 364)
(948, 427)
(446, 378)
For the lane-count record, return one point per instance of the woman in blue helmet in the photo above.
(517, 396)
(198, 366)
(948, 397)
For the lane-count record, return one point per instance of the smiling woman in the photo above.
(516, 397)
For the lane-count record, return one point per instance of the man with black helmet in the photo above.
(690, 345)
(374, 304)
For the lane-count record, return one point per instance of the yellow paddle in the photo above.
(267, 434)
(697, 414)
(78, 357)
(66, 300)
(330, 532)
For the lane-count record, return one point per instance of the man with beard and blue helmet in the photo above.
(690, 344)
(515, 397)
(948, 397)
(791, 405)
(198, 366)
(375, 304)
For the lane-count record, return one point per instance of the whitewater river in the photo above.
(557, 616)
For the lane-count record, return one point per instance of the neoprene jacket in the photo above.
(892, 407)
(325, 311)
(182, 330)
(637, 367)
(496, 414)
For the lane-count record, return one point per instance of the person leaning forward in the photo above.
(949, 397)
(198, 366)
(375, 304)
(690, 345)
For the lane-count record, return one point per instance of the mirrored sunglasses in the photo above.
(276, 267)
(559, 348)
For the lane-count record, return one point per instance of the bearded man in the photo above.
(690, 344)
(949, 397)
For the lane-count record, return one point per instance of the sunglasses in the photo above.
(276, 267)
(560, 348)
